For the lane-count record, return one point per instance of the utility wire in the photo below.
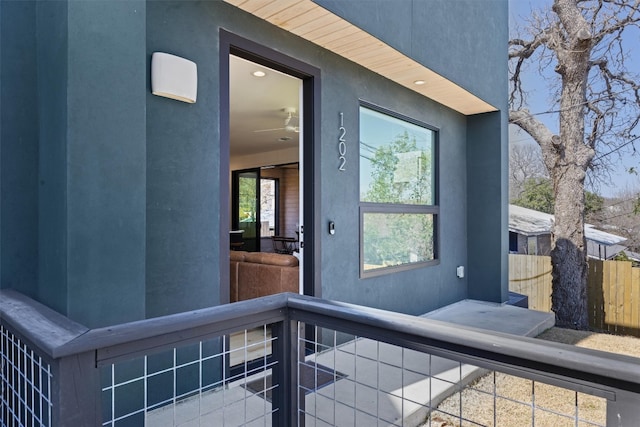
(620, 215)
(631, 141)
(621, 202)
(581, 104)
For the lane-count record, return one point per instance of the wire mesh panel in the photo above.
(215, 382)
(498, 399)
(288, 372)
(374, 383)
(25, 378)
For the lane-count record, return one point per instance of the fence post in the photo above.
(624, 411)
(76, 391)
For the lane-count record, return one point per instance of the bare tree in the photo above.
(525, 163)
(597, 108)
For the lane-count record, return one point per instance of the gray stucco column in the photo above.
(106, 161)
(487, 211)
(18, 148)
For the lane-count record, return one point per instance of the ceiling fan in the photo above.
(288, 127)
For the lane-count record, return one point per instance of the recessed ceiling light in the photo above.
(419, 82)
(259, 73)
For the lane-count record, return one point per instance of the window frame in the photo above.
(276, 203)
(400, 208)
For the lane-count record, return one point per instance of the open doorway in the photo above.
(269, 117)
(284, 131)
(265, 161)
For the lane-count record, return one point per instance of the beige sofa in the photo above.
(257, 274)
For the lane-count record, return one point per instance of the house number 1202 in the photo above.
(342, 144)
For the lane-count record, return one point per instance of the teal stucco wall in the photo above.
(112, 198)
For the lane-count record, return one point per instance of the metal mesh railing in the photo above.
(212, 382)
(293, 360)
(25, 379)
(360, 381)
(497, 399)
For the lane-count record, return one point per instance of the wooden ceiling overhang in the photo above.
(312, 22)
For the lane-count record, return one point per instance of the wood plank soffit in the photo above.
(312, 22)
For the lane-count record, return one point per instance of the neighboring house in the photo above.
(382, 125)
(604, 249)
(626, 254)
(530, 233)
(633, 256)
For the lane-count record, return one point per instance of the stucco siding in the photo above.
(114, 200)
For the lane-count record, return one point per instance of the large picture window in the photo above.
(398, 197)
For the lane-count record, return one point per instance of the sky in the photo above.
(539, 102)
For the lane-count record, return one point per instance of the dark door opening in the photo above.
(245, 209)
(257, 208)
(295, 124)
(298, 122)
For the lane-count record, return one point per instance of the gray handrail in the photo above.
(59, 337)
(534, 357)
(137, 338)
(41, 326)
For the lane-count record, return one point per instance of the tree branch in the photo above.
(525, 49)
(528, 48)
(615, 23)
(612, 99)
(534, 127)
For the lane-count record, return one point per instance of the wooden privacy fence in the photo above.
(531, 276)
(613, 291)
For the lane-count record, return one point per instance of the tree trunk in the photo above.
(570, 157)
(569, 254)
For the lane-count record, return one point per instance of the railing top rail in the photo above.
(115, 341)
(551, 359)
(45, 328)
(59, 337)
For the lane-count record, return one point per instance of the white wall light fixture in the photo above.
(174, 77)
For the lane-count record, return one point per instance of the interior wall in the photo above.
(290, 203)
(289, 198)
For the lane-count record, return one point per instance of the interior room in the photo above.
(265, 137)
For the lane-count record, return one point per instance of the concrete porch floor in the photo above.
(495, 317)
(388, 385)
(373, 370)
